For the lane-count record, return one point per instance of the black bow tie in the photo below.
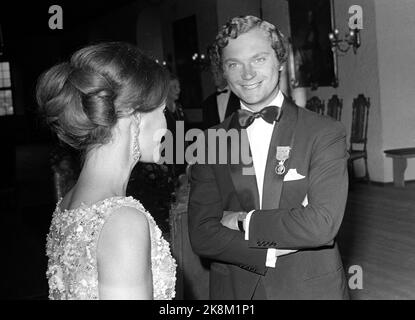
(218, 92)
(269, 114)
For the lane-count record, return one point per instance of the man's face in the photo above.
(252, 68)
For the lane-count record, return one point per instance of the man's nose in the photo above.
(248, 72)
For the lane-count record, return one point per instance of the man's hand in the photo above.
(230, 219)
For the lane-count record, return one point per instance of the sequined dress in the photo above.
(72, 251)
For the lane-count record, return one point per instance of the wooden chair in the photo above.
(315, 104)
(334, 107)
(358, 136)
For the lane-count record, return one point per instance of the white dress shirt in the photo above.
(259, 136)
(222, 102)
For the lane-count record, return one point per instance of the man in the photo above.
(270, 235)
(221, 104)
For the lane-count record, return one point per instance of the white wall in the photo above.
(277, 13)
(395, 25)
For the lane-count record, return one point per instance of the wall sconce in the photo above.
(163, 63)
(351, 40)
(201, 61)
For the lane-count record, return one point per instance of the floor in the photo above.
(377, 234)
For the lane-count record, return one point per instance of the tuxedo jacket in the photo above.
(210, 109)
(317, 167)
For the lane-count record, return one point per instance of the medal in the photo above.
(280, 169)
(283, 153)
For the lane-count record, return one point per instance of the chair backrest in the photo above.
(360, 116)
(316, 105)
(334, 107)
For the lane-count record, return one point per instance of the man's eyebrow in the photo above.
(261, 54)
(230, 59)
(264, 53)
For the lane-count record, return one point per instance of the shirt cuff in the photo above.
(247, 220)
(271, 258)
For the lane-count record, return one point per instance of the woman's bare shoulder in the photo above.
(124, 256)
(129, 221)
(126, 230)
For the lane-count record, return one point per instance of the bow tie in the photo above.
(269, 114)
(221, 91)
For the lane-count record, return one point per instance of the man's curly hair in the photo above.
(240, 25)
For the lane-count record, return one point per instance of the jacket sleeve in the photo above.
(207, 235)
(316, 224)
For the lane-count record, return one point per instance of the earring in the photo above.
(136, 147)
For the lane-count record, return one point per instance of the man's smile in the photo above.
(251, 86)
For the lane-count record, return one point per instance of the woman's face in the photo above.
(152, 129)
(174, 90)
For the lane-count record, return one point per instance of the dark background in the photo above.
(310, 23)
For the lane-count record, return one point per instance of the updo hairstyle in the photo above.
(81, 100)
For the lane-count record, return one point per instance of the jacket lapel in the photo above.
(233, 104)
(214, 113)
(282, 136)
(243, 175)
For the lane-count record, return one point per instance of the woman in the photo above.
(174, 108)
(108, 102)
(175, 116)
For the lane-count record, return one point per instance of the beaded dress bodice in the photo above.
(72, 251)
